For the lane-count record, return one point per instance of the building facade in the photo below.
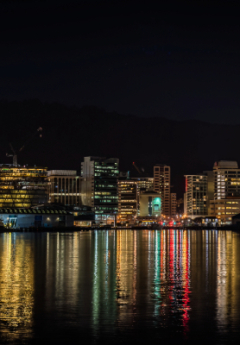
(100, 186)
(225, 209)
(150, 204)
(225, 202)
(196, 189)
(226, 179)
(144, 183)
(199, 190)
(64, 187)
(22, 186)
(127, 200)
(173, 204)
(162, 185)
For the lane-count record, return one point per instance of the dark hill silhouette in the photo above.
(70, 133)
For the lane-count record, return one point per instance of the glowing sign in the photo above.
(156, 205)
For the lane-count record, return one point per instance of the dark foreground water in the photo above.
(120, 287)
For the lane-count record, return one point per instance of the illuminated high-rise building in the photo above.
(144, 183)
(22, 186)
(226, 199)
(199, 190)
(100, 186)
(196, 195)
(127, 199)
(161, 184)
(226, 179)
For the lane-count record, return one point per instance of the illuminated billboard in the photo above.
(156, 206)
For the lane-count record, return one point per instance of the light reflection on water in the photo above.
(16, 286)
(120, 286)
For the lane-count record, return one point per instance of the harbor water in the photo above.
(119, 287)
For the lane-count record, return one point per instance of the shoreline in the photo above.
(76, 229)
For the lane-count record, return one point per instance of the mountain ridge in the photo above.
(70, 133)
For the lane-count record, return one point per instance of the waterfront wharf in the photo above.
(102, 228)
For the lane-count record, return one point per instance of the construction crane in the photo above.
(137, 168)
(15, 153)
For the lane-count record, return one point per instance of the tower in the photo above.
(161, 184)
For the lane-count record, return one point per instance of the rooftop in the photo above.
(21, 167)
(225, 165)
(150, 192)
(31, 211)
(62, 173)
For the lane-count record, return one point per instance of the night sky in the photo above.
(179, 60)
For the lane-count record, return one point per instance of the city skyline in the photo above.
(104, 194)
(119, 172)
(186, 146)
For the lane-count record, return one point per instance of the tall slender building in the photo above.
(100, 186)
(196, 195)
(161, 184)
(127, 199)
(173, 204)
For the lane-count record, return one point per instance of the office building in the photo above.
(143, 183)
(226, 198)
(173, 204)
(22, 186)
(196, 195)
(127, 200)
(64, 187)
(161, 184)
(199, 192)
(226, 179)
(150, 204)
(100, 187)
(225, 209)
